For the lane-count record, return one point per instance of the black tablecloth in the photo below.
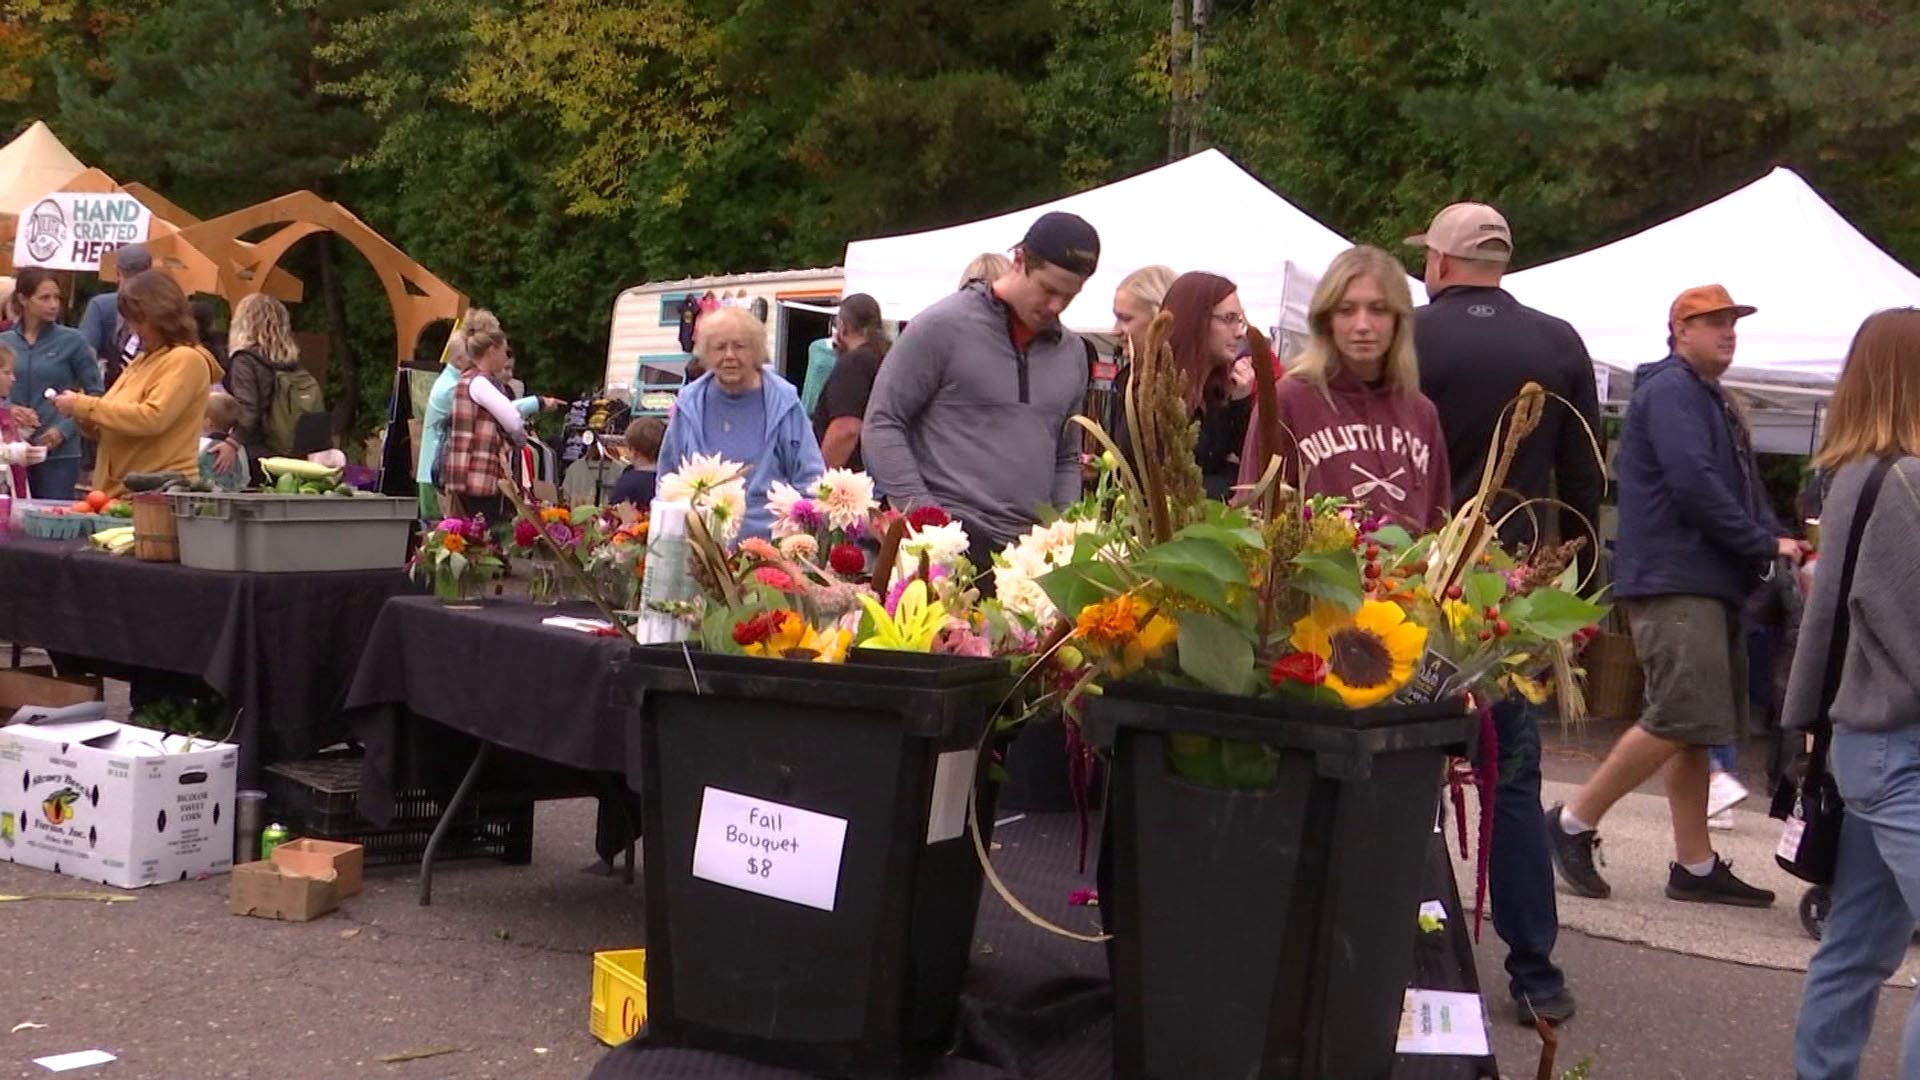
(486, 671)
(278, 647)
(1038, 1006)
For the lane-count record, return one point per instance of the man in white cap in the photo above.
(1477, 347)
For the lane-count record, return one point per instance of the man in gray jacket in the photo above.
(969, 412)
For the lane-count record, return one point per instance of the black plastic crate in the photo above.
(321, 798)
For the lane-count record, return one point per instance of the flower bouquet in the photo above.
(565, 531)
(456, 558)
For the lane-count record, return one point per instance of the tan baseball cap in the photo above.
(1705, 300)
(1468, 230)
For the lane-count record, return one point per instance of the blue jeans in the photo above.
(1725, 758)
(54, 478)
(1876, 897)
(1519, 868)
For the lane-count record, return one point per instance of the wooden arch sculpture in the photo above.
(210, 257)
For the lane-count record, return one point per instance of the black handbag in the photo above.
(1812, 807)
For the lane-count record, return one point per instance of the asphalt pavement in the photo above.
(497, 974)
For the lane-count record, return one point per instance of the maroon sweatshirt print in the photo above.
(1381, 449)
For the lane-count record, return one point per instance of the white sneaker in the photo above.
(1724, 793)
(1722, 820)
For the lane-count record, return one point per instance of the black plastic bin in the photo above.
(869, 987)
(1267, 935)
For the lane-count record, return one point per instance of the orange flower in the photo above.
(454, 542)
(551, 514)
(1111, 624)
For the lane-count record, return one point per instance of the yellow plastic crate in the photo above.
(619, 995)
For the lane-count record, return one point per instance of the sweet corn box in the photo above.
(114, 803)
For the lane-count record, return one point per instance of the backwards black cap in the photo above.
(1066, 241)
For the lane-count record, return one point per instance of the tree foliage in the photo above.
(541, 155)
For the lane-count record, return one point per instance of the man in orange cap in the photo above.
(1696, 538)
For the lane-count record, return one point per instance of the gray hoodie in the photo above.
(961, 420)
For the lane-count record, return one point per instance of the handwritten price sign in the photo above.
(769, 848)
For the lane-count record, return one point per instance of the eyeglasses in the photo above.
(1232, 318)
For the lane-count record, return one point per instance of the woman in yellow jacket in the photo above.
(150, 421)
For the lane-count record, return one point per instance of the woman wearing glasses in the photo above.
(1208, 332)
(1353, 422)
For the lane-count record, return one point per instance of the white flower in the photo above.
(1018, 566)
(712, 487)
(846, 496)
(699, 474)
(942, 545)
(781, 497)
(799, 546)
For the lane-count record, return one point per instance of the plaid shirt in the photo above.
(475, 459)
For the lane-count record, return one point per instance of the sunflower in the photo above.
(1370, 653)
(1152, 641)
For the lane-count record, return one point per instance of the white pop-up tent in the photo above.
(1775, 244)
(33, 164)
(1200, 213)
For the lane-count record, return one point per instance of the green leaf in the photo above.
(1333, 576)
(1232, 537)
(1391, 536)
(456, 564)
(1074, 586)
(583, 514)
(1188, 582)
(1216, 653)
(1552, 614)
(1483, 591)
(1211, 557)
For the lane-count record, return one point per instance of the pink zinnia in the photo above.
(525, 533)
(774, 578)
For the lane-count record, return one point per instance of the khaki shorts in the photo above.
(1695, 658)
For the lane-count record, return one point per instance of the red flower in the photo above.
(759, 628)
(847, 559)
(525, 533)
(1308, 669)
(928, 516)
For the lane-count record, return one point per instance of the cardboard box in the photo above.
(20, 687)
(114, 803)
(321, 858)
(268, 891)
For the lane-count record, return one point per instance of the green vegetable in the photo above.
(288, 484)
(154, 481)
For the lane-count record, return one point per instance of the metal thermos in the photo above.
(249, 817)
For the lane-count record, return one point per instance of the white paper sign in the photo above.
(1442, 1022)
(1434, 909)
(1790, 834)
(952, 787)
(72, 230)
(768, 848)
(79, 1059)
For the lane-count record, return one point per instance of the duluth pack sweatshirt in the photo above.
(1368, 443)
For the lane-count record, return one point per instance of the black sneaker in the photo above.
(1555, 1010)
(1718, 887)
(1574, 855)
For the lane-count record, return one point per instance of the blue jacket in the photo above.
(789, 453)
(59, 359)
(1692, 521)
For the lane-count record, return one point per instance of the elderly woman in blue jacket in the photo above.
(743, 413)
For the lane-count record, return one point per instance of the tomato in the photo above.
(83, 506)
(96, 500)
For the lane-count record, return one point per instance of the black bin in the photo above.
(1269, 934)
(871, 987)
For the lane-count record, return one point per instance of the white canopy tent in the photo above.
(33, 164)
(1775, 244)
(1200, 213)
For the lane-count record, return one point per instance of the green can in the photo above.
(272, 837)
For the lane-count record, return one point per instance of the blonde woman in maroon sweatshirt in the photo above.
(1353, 422)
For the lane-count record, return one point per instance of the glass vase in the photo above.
(545, 585)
